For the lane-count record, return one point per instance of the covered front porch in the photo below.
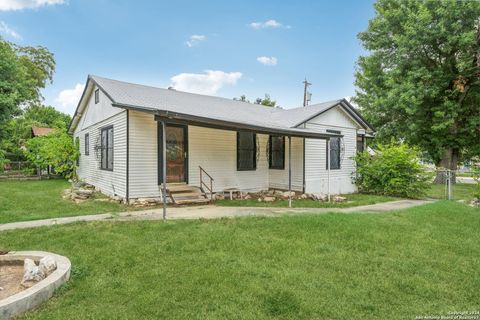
(216, 156)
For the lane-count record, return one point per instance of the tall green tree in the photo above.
(24, 71)
(18, 130)
(420, 81)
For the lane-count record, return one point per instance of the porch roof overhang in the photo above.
(188, 119)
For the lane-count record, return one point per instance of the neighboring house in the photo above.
(39, 131)
(240, 145)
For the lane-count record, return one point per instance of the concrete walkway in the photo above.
(212, 212)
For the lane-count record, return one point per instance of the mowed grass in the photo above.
(31, 200)
(353, 200)
(460, 191)
(421, 261)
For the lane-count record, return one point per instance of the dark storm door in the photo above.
(176, 153)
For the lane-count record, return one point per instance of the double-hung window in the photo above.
(276, 147)
(106, 136)
(246, 151)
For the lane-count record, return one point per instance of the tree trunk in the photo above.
(449, 161)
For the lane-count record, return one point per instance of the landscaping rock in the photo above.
(117, 199)
(278, 193)
(259, 200)
(146, 202)
(31, 273)
(47, 265)
(475, 202)
(304, 196)
(268, 199)
(271, 192)
(339, 199)
(219, 196)
(318, 196)
(247, 197)
(287, 194)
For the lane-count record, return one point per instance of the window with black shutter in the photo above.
(246, 151)
(276, 145)
(106, 136)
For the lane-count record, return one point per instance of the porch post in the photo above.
(289, 171)
(164, 171)
(328, 169)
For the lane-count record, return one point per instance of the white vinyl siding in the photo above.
(89, 170)
(316, 176)
(216, 152)
(143, 181)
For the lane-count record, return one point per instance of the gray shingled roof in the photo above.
(155, 100)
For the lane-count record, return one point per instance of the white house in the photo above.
(210, 142)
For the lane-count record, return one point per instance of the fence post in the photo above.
(448, 184)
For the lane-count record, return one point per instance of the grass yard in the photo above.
(420, 261)
(461, 191)
(353, 200)
(31, 200)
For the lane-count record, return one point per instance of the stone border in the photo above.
(40, 292)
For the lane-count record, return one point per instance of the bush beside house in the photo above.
(394, 170)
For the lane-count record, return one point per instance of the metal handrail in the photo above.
(202, 183)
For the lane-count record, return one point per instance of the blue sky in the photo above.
(224, 48)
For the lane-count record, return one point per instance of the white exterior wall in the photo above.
(143, 171)
(96, 117)
(212, 149)
(315, 154)
(278, 179)
(216, 151)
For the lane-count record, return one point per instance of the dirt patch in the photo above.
(11, 275)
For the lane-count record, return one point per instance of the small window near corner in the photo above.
(87, 144)
(97, 96)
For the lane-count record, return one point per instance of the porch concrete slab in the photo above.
(213, 212)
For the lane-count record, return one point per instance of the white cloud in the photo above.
(205, 83)
(7, 5)
(268, 24)
(195, 39)
(267, 61)
(68, 99)
(7, 31)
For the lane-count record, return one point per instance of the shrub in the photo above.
(394, 170)
(56, 149)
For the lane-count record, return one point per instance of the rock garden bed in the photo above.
(274, 195)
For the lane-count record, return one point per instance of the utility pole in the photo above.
(305, 92)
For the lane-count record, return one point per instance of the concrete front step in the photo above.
(192, 201)
(185, 194)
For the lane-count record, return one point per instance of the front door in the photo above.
(176, 147)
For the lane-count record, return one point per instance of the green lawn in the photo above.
(461, 191)
(353, 200)
(30, 200)
(421, 261)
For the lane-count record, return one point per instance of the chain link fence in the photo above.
(450, 179)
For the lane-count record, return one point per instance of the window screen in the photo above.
(277, 152)
(334, 156)
(246, 151)
(107, 148)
